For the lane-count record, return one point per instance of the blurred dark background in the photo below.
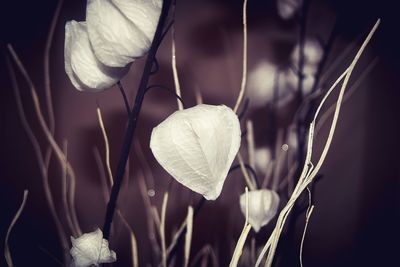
(356, 221)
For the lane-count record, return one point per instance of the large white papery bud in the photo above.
(313, 53)
(288, 8)
(84, 70)
(91, 249)
(121, 30)
(197, 147)
(263, 206)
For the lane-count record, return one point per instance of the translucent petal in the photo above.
(115, 38)
(143, 13)
(91, 249)
(263, 206)
(82, 67)
(197, 147)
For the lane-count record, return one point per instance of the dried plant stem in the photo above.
(308, 216)
(162, 229)
(242, 239)
(132, 120)
(244, 72)
(7, 253)
(41, 163)
(246, 175)
(309, 172)
(324, 117)
(107, 146)
(64, 189)
(173, 63)
(188, 236)
(60, 156)
(250, 143)
(203, 254)
(132, 239)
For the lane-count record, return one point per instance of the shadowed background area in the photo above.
(357, 214)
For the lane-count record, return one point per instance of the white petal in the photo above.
(263, 206)
(262, 159)
(91, 249)
(197, 147)
(287, 8)
(261, 83)
(116, 40)
(143, 13)
(81, 65)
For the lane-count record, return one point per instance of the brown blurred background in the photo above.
(356, 221)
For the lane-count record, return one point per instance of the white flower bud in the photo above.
(81, 65)
(262, 159)
(197, 147)
(261, 83)
(91, 249)
(263, 206)
(121, 30)
(287, 8)
(313, 53)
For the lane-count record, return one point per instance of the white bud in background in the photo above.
(288, 8)
(291, 81)
(91, 249)
(263, 206)
(122, 30)
(260, 86)
(262, 159)
(197, 146)
(313, 53)
(81, 65)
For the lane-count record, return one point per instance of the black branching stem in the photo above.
(132, 121)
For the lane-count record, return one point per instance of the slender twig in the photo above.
(7, 253)
(250, 169)
(173, 61)
(166, 89)
(125, 98)
(39, 157)
(133, 118)
(244, 72)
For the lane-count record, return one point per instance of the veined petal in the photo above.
(197, 147)
(263, 206)
(115, 39)
(91, 249)
(82, 67)
(143, 13)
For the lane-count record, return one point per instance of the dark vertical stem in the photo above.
(132, 121)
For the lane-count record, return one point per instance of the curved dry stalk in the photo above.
(41, 162)
(325, 116)
(162, 229)
(250, 143)
(203, 254)
(308, 216)
(188, 236)
(133, 242)
(7, 253)
(64, 193)
(244, 73)
(242, 239)
(50, 138)
(106, 144)
(309, 172)
(46, 60)
(250, 183)
(173, 63)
